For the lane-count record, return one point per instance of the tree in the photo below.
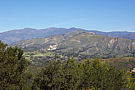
(12, 67)
(98, 75)
(59, 75)
(75, 75)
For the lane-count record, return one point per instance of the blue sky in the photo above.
(103, 15)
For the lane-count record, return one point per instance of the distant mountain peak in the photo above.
(51, 28)
(75, 28)
(28, 28)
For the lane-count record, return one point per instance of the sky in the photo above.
(102, 15)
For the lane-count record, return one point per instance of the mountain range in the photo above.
(29, 33)
(79, 44)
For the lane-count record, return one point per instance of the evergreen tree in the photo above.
(74, 75)
(12, 66)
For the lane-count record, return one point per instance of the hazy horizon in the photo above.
(67, 28)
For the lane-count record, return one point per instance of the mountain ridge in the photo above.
(29, 33)
(80, 44)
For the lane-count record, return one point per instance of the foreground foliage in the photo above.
(81, 75)
(15, 74)
(12, 66)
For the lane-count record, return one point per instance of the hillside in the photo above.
(29, 33)
(77, 44)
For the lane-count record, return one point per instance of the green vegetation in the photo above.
(73, 75)
(12, 68)
(18, 73)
